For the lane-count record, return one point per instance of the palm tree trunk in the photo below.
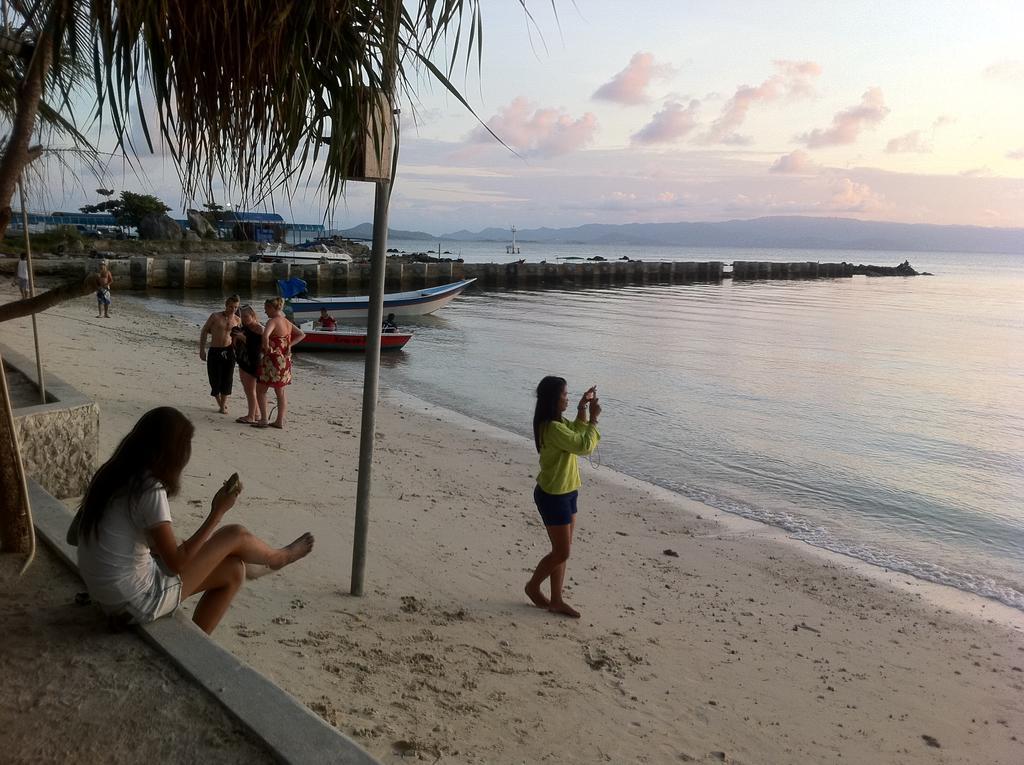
(15, 513)
(15, 518)
(16, 154)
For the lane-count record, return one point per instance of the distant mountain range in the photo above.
(789, 232)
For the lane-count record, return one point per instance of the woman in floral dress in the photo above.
(275, 370)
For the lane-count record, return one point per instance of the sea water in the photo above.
(881, 418)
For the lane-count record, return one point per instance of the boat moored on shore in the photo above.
(401, 304)
(347, 340)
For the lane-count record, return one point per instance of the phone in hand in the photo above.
(591, 393)
(233, 485)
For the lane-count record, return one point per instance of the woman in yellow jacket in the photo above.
(559, 443)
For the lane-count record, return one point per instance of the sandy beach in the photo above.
(73, 690)
(703, 638)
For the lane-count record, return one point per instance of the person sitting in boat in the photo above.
(326, 321)
(389, 324)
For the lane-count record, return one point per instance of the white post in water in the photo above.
(32, 292)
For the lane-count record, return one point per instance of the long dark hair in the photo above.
(549, 396)
(159, 446)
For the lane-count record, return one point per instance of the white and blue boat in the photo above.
(401, 304)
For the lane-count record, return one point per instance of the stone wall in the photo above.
(60, 440)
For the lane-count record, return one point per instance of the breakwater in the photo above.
(143, 272)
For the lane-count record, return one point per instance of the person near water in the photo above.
(389, 324)
(220, 358)
(248, 340)
(326, 321)
(22, 275)
(132, 564)
(559, 443)
(104, 280)
(275, 371)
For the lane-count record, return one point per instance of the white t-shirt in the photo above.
(22, 269)
(116, 563)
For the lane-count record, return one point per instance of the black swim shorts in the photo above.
(220, 367)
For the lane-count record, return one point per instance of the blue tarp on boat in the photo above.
(289, 288)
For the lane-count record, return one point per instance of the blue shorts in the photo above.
(555, 509)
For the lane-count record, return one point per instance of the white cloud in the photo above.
(793, 79)
(848, 124)
(673, 122)
(538, 132)
(630, 85)
(1011, 70)
(797, 162)
(850, 196)
(908, 143)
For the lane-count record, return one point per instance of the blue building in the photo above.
(252, 226)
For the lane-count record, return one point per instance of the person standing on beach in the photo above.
(559, 443)
(248, 341)
(105, 279)
(132, 564)
(23, 275)
(279, 335)
(220, 359)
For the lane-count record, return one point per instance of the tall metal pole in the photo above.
(371, 376)
(375, 312)
(32, 292)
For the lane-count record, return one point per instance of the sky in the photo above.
(671, 110)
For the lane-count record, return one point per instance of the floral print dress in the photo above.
(276, 363)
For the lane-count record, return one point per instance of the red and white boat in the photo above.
(347, 340)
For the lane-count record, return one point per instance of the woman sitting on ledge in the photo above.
(127, 553)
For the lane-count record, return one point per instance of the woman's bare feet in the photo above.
(297, 550)
(564, 608)
(533, 593)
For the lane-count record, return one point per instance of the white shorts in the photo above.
(161, 599)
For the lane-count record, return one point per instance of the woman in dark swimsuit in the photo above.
(248, 342)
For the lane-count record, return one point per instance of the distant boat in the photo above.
(347, 340)
(324, 255)
(413, 303)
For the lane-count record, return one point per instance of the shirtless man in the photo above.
(220, 359)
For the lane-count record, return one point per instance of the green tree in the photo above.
(130, 209)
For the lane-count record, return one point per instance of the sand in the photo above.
(75, 692)
(702, 639)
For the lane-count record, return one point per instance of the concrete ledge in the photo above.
(44, 430)
(291, 732)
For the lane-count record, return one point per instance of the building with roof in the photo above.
(252, 226)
